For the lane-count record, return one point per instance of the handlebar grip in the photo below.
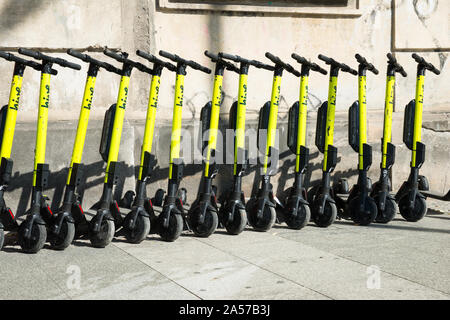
(195, 65)
(211, 55)
(391, 58)
(273, 58)
(30, 53)
(168, 55)
(113, 55)
(229, 57)
(67, 64)
(346, 68)
(77, 54)
(260, 65)
(4, 55)
(300, 59)
(316, 67)
(325, 59)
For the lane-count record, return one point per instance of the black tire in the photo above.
(174, 230)
(267, 220)
(139, 232)
(209, 225)
(106, 233)
(237, 225)
(300, 220)
(65, 237)
(2, 238)
(327, 218)
(37, 239)
(365, 217)
(415, 214)
(389, 212)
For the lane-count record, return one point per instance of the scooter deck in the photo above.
(435, 195)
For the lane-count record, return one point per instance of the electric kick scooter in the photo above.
(295, 209)
(170, 220)
(232, 214)
(32, 231)
(359, 206)
(202, 215)
(411, 201)
(386, 205)
(138, 221)
(8, 116)
(108, 218)
(321, 197)
(63, 230)
(261, 206)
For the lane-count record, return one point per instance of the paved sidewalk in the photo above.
(339, 262)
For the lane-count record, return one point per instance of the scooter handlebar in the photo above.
(89, 59)
(284, 65)
(215, 58)
(397, 67)
(32, 64)
(342, 66)
(239, 59)
(426, 64)
(190, 63)
(364, 62)
(40, 56)
(313, 66)
(155, 60)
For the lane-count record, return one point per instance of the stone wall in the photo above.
(338, 29)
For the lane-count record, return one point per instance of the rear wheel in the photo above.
(327, 218)
(412, 214)
(37, 239)
(266, 221)
(173, 231)
(140, 231)
(301, 219)
(389, 212)
(238, 223)
(65, 237)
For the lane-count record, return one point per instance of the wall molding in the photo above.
(352, 10)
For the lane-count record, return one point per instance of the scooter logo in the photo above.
(124, 100)
(218, 101)
(154, 103)
(15, 105)
(46, 98)
(180, 97)
(277, 97)
(89, 99)
(243, 100)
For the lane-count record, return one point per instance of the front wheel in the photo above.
(238, 223)
(173, 231)
(301, 219)
(208, 226)
(389, 212)
(37, 238)
(412, 214)
(366, 216)
(140, 231)
(104, 236)
(65, 236)
(265, 222)
(327, 218)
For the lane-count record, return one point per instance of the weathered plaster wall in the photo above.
(55, 26)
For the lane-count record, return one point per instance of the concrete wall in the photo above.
(369, 27)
